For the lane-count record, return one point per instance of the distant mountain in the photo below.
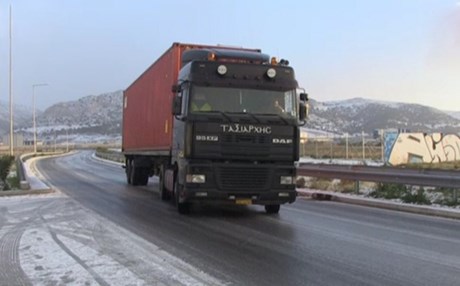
(359, 114)
(21, 116)
(93, 114)
(455, 114)
(96, 115)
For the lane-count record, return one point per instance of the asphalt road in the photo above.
(308, 243)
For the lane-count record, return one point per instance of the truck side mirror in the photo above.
(303, 113)
(303, 96)
(176, 88)
(177, 106)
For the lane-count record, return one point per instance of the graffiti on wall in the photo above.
(403, 148)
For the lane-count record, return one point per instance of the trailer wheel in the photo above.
(134, 177)
(182, 208)
(144, 176)
(139, 175)
(165, 195)
(272, 209)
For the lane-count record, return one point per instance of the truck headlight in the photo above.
(196, 178)
(286, 180)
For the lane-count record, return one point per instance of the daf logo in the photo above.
(238, 128)
(281, 141)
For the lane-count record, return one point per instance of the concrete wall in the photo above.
(402, 148)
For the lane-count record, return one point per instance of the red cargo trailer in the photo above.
(147, 103)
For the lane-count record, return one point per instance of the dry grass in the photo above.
(453, 165)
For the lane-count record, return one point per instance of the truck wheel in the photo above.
(143, 176)
(165, 195)
(133, 174)
(272, 209)
(139, 175)
(182, 208)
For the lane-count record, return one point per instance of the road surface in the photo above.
(308, 243)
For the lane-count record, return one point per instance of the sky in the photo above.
(392, 50)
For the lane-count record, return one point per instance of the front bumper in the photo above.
(239, 183)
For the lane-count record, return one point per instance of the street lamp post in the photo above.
(35, 125)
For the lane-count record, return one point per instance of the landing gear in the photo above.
(272, 209)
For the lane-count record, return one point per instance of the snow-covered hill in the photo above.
(455, 114)
(21, 116)
(359, 114)
(90, 114)
(96, 115)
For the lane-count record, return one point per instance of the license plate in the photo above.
(243, 201)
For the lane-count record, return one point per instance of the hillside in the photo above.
(21, 114)
(94, 114)
(101, 115)
(358, 114)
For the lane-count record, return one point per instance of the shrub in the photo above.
(347, 186)
(5, 165)
(448, 196)
(389, 191)
(300, 182)
(320, 183)
(102, 149)
(416, 197)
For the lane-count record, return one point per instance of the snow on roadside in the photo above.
(340, 161)
(64, 243)
(46, 263)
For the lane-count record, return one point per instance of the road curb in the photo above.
(342, 198)
(25, 192)
(35, 183)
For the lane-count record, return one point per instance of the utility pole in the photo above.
(10, 94)
(382, 139)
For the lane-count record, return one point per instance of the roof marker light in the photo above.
(222, 70)
(271, 73)
(211, 56)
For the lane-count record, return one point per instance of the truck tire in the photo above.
(139, 175)
(134, 177)
(143, 176)
(182, 208)
(272, 209)
(165, 195)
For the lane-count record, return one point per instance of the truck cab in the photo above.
(235, 131)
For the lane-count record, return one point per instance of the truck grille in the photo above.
(244, 145)
(243, 178)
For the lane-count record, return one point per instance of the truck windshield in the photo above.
(237, 100)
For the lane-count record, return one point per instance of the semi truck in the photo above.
(217, 125)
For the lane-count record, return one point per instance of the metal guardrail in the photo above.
(422, 177)
(111, 155)
(416, 177)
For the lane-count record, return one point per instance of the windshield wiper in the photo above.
(250, 114)
(224, 114)
(277, 115)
